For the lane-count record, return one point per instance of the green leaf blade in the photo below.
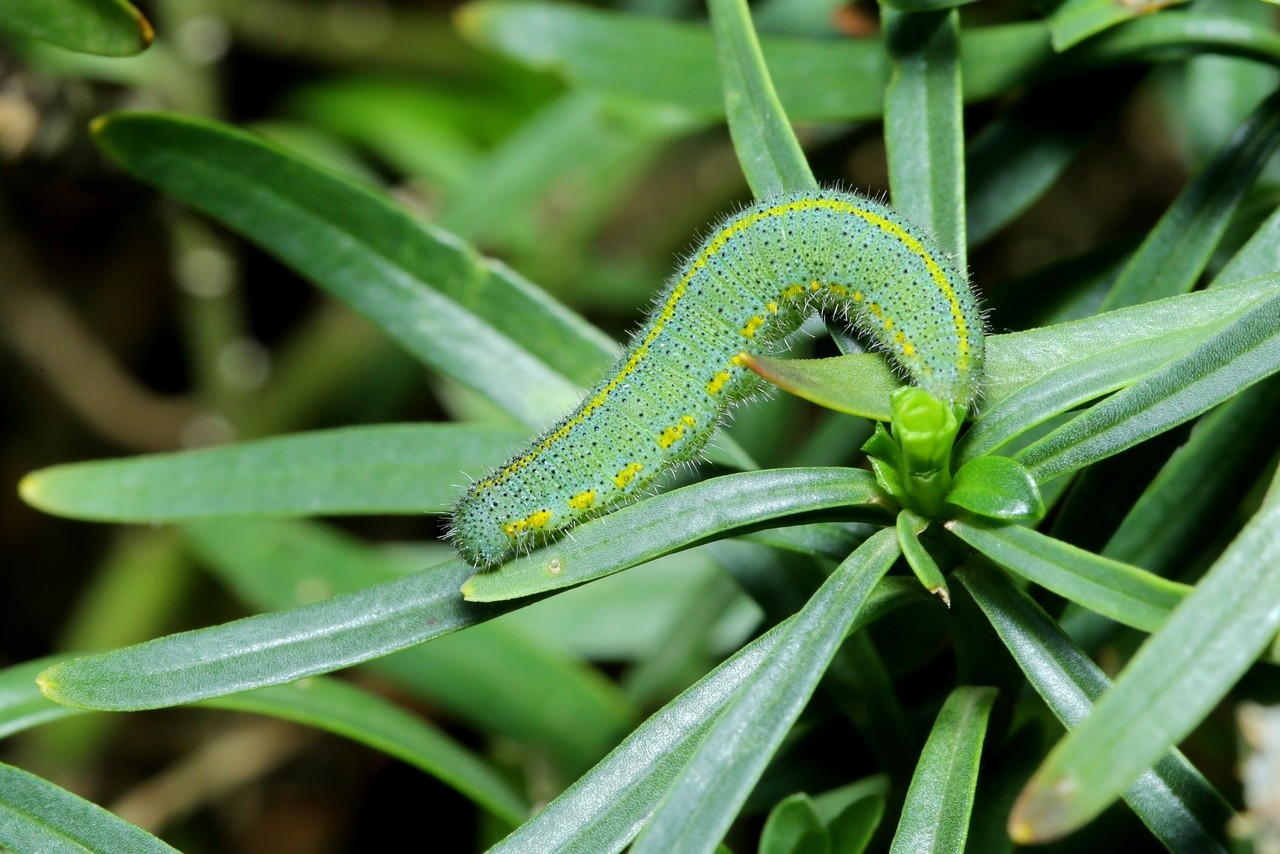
(1172, 798)
(101, 27)
(36, 815)
(640, 532)
(770, 154)
(710, 790)
(1242, 352)
(1124, 593)
(425, 288)
(997, 488)
(924, 125)
(939, 802)
(346, 710)
(383, 469)
(1173, 681)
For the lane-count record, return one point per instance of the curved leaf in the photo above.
(36, 815)
(103, 27)
(468, 317)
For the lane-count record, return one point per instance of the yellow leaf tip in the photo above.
(1042, 812)
(46, 684)
(147, 31)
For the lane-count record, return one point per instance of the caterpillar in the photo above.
(751, 283)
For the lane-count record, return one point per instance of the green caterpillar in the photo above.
(748, 286)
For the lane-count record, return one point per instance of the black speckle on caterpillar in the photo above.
(751, 283)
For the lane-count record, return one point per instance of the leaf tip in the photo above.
(46, 681)
(1043, 811)
(943, 593)
(145, 30)
(98, 125)
(29, 489)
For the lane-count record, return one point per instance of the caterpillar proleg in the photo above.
(751, 283)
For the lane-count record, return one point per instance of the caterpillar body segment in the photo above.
(749, 285)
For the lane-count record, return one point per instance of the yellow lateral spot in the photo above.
(583, 500)
(671, 435)
(838, 290)
(740, 360)
(717, 383)
(752, 325)
(888, 324)
(815, 285)
(792, 292)
(689, 420)
(773, 308)
(539, 519)
(908, 350)
(516, 527)
(626, 475)
(900, 337)
(874, 308)
(857, 296)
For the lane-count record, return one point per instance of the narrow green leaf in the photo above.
(1179, 248)
(767, 148)
(1236, 356)
(270, 649)
(347, 629)
(935, 817)
(998, 488)
(1172, 798)
(348, 711)
(1124, 593)
(383, 469)
(327, 704)
(909, 528)
(675, 520)
(711, 788)
(605, 807)
(794, 827)
(493, 677)
(1073, 21)
(1176, 678)
(36, 815)
(1021, 358)
(924, 124)
(467, 316)
(858, 384)
(103, 27)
